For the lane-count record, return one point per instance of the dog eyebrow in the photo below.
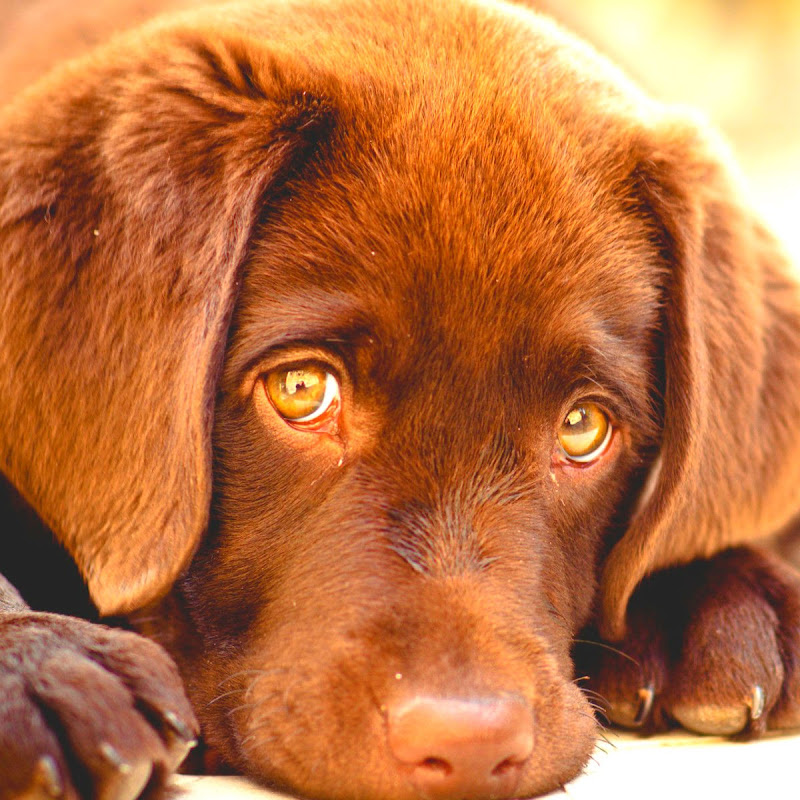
(311, 316)
(614, 368)
(623, 380)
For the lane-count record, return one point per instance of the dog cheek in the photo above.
(582, 519)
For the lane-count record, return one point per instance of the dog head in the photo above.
(404, 348)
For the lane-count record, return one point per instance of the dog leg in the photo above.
(87, 711)
(713, 647)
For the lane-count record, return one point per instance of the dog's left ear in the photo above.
(130, 183)
(728, 470)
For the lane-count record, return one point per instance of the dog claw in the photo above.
(756, 703)
(178, 750)
(112, 757)
(632, 711)
(129, 780)
(46, 779)
(646, 696)
(179, 727)
(179, 737)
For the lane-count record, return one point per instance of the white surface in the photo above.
(677, 766)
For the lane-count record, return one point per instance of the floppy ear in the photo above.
(129, 185)
(728, 468)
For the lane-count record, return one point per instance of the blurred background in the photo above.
(738, 61)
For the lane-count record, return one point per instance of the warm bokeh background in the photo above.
(736, 60)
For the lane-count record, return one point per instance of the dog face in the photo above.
(431, 330)
(428, 536)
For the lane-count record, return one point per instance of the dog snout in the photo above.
(462, 747)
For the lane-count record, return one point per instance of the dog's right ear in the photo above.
(130, 182)
(727, 472)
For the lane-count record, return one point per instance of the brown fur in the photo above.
(476, 222)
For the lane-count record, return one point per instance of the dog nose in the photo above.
(462, 748)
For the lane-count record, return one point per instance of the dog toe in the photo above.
(720, 719)
(627, 679)
(32, 764)
(95, 713)
(730, 668)
(89, 712)
(713, 647)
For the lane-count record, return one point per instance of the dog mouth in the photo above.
(424, 747)
(336, 727)
(396, 686)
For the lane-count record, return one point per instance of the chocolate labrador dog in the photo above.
(361, 354)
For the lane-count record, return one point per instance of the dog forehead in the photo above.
(479, 197)
(487, 229)
(538, 300)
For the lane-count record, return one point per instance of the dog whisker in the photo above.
(223, 696)
(245, 672)
(610, 648)
(243, 707)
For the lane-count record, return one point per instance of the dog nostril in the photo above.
(436, 765)
(455, 747)
(506, 766)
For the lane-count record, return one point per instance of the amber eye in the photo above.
(302, 394)
(584, 433)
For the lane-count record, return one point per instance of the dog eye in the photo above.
(302, 395)
(584, 433)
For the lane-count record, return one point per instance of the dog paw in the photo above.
(86, 711)
(713, 647)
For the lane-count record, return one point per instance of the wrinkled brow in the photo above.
(601, 363)
(311, 316)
